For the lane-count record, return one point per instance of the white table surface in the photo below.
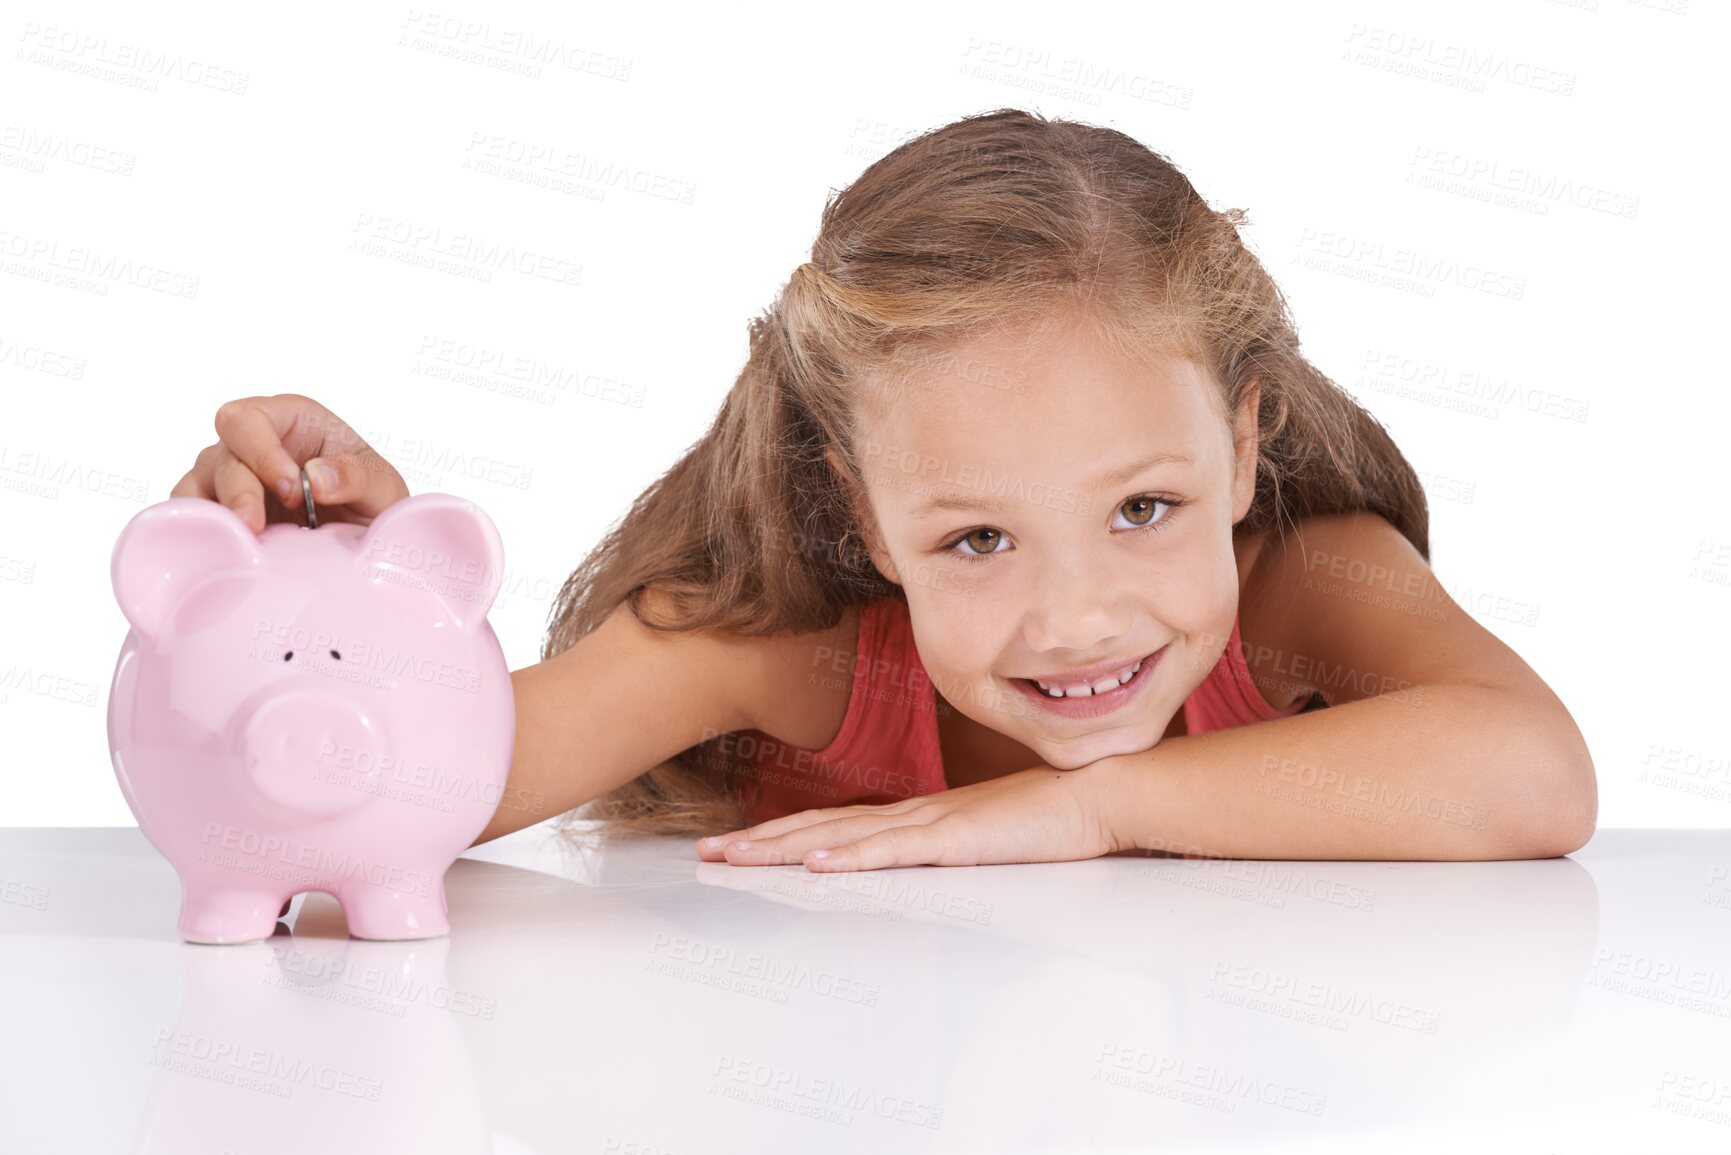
(634, 999)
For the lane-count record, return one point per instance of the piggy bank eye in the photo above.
(336, 655)
(288, 656)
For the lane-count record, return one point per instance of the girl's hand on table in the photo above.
(1035, 815)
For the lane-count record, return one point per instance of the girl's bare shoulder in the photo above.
(1347, 602)
(1285, 596)
(1265, 615)
(799, 685)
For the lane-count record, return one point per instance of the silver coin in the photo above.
(307, 498)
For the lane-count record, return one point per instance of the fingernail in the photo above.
(740, 845)
(284, 487)
(820, 854)
(323, 477)
(710, 843)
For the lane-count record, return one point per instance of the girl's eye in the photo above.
(1144, 516)
(992, 538)
(1141, 515)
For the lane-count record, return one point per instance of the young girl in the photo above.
(1025, 534)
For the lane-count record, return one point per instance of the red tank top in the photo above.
(887, 748)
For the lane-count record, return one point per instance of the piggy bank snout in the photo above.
(313, 752)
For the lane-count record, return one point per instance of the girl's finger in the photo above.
(770, 829)
(894, 846)
(710, 848)
(239, 488)
(195, 483)
(363, 481)
(253, 429)
(199, 481)
(792, 846)
(713, 848)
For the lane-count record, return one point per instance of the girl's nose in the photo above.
(1074, 614)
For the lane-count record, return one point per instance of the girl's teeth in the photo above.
(1108, 683)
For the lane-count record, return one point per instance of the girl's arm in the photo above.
(626, 698)
(1439, 742)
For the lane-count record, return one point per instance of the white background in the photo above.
(1569, 149)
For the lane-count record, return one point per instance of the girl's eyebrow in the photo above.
(957, 501)
(1120, 476)
(1110, 477)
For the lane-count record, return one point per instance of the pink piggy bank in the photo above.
(311, 709)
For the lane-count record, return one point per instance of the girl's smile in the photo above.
(1082, 699)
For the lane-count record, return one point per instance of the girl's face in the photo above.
(1061, 514)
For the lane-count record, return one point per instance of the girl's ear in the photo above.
(880, 557)
(864, 525)
(1245, 441)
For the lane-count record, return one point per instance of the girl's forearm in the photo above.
(621, 700)
(1443, 772)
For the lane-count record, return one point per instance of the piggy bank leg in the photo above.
(376, 913)
(219, 915)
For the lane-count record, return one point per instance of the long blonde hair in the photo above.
(985, 224)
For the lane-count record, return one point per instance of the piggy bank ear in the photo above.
(439, 543)
(168, 548)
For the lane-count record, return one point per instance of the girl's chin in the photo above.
(1075, 755)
